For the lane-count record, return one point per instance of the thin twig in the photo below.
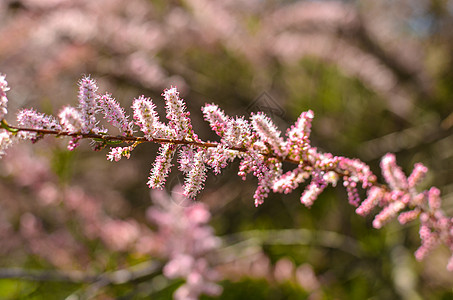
(302, 236)
(121, 276)
(136, 139)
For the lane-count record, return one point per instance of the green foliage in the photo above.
(16, 289)
(62, 163)
(259, 289)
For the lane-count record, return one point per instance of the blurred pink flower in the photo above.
(187, 241)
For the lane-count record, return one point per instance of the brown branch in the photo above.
(137, 139)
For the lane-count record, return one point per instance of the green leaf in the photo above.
(7, 127)
(114, 142)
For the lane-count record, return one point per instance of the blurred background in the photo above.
(377, 74)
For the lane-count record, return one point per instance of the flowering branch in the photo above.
(257, 143)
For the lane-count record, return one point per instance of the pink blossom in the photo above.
(392, 173)
(176, 113)
(246, 164)
(299, 134)
(417, 175)
(216, 118)
(389, 212)
(74, 143)
(234, 132)
(186, 158)
(3, 100)
(306, 278)
(147, 119)
(331, 177)
(161, 166)
(419, 199)
(311, 193)
(70, 119)
(180, 265)
(267, 171)
(198, 214)
(374, 196)
(188, 245)
(357, 170)
(119, 235)
(29, 118)
(87, 103)
(6, 140)
(196, 176)
(284, 270)
(429, 242)
(290, 181)
(408, 216)
(434, 200)
(268, 133)
(450, 264)
(353, 194)
(114, 114)
(218, 157)
(116, 153)
(239, 133)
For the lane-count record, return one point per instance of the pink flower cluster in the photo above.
(147, 119)
(29, 118)
(114, 114)
(87, 104)
(257, 143)
(401, 199)
(188, 241)
(5, 137)
(3, 100)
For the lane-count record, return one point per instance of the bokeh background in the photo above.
(377, 74)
